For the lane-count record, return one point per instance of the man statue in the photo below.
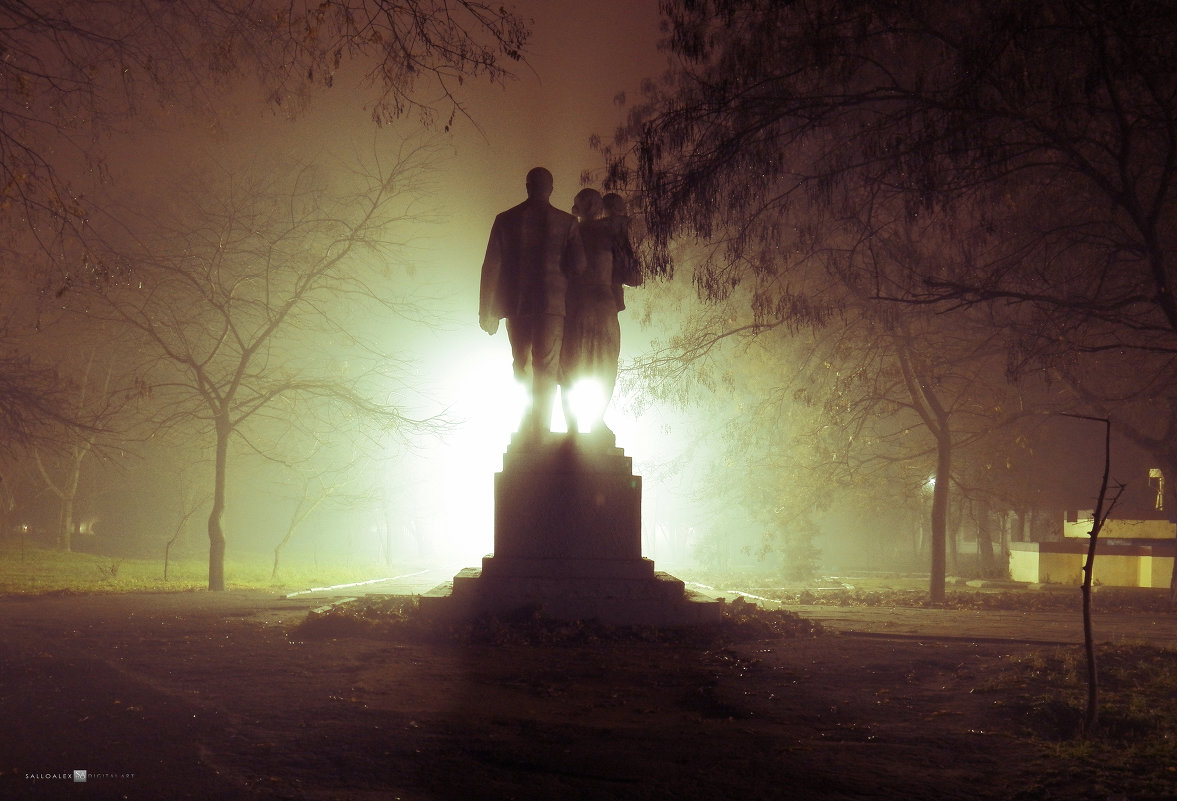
(534, 249)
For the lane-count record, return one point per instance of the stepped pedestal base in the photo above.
(568, 543)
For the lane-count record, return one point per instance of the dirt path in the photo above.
(221, 697)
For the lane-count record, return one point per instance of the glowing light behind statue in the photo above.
(452, 484)
(509, 405)
(486, 406)
(587, 400)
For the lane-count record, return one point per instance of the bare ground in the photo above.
(231, 696)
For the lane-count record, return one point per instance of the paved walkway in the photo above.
(410, 582)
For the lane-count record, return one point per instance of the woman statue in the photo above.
(592, 335)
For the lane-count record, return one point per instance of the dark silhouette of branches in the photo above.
(77, 70)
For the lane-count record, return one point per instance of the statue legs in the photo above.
(535, 350)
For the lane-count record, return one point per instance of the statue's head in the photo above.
(587, 205)
(539, 183)
(614, 205)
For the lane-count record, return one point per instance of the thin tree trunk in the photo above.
(940, 518)
(69, 499)
(216, 534)
(1169, 501)
(186, 515)
(66, 494)
(278, 548)
(306, 506)
(1091, 718)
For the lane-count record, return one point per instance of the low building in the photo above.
(1136, 545)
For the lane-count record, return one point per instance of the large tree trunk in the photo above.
(216, 535)
(67, 493)
(985, 539)
(69, 498)
(936, 418)
(940, 517)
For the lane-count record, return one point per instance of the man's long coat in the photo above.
(533, 249)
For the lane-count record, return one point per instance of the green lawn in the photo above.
(36, 570)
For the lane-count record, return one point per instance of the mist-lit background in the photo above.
(389, 498)
(742, 467)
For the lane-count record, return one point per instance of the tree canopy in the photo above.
(1014, 150)
(75, 70)
(1009, 157)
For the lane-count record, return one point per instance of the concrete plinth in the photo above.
(568, 543)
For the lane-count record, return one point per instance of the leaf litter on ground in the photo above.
(400, 617)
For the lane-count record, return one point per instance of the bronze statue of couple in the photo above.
(557, 279)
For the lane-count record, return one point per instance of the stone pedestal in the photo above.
(567, 541)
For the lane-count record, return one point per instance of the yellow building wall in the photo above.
(1033, 567)
(1023, 566)
(1162, 571)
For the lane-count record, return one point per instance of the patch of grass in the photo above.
(1107, 599)
(34, 571)
(1132, 754)
(912, 592)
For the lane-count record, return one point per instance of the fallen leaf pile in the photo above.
(399, 617)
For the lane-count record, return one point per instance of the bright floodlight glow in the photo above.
(452, 496)
(509, 404)
(443, 484)
(587, 400)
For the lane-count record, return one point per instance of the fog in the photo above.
(739, 473)
(345, 491)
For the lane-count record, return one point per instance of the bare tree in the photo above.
(188, 508)
(77, 73)
(1099, 518)
(32, 402)
(874, 390)
(238, 291)
(76, 70)
(314, 490)
(92, 399)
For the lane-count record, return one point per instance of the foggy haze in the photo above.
(741, 466)
(897, 362)
(375, 495)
